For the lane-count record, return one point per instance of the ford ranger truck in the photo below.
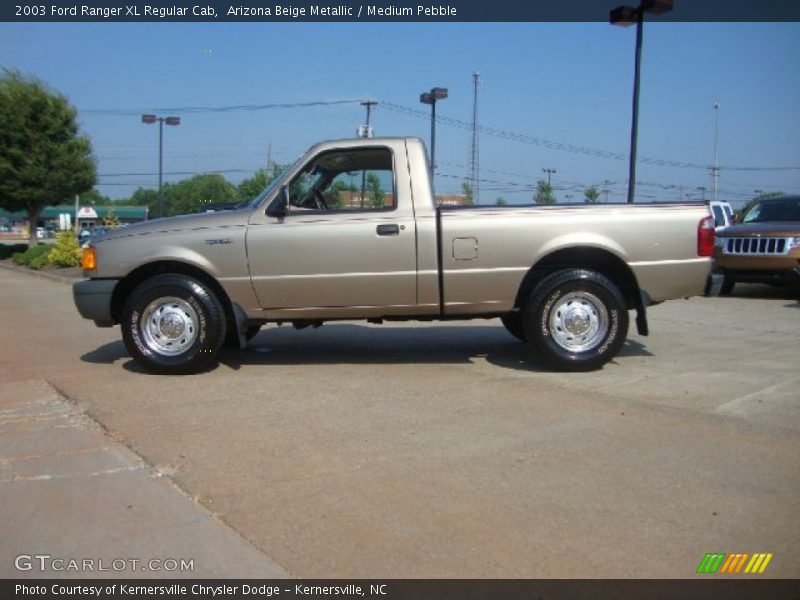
(352, 231)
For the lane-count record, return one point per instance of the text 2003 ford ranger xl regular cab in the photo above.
(312, 247)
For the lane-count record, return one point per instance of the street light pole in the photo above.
(635, 114)
(160, 166)
(549, 171)
(715, 169)
(625, 16)
(431, 97)
(149, 120)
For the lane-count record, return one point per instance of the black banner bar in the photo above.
(386, 11)
(717, 588)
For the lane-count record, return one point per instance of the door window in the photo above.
(345, 181)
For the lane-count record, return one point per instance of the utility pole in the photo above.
(605, 188)
(715, 168)
(474, 164)
(365, 133)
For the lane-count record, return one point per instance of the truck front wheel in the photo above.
(173, 324)
(576, 319)
(513, 323)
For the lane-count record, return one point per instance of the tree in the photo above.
(501, 201)
(143, 197)
(66, 252)
(44, 159)
(253, 186)
(111, 220)
(375, 194)
(544, 193)
(591, 194)
(93, 198)
(194, 194)
(469, 193)
(333, 195)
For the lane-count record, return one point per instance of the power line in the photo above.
(213, 109)
(552, 145)
(176, 173)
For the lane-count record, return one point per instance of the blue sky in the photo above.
(564, 83)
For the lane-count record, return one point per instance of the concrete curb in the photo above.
(41, 274)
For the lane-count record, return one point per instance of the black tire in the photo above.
(173, 324)
(727, 287)
(514, 325)
(582, 299)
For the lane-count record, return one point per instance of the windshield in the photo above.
(778, 209)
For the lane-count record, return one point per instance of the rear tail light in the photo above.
(705, 237)
(89, 259)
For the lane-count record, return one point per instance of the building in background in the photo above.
(14, 225)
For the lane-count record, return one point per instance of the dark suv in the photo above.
(764, 247)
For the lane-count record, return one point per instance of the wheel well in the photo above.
(129, 283)
(595, 259)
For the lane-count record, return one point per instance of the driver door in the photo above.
(346, 247)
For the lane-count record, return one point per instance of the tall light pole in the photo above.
(150, 119)
(549, 171)
(715, 168)
(625, 16)
(431, 98)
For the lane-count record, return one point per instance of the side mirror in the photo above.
(279, 207)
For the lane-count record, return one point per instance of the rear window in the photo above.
(719, 217)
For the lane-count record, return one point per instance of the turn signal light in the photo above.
(705, 237)
(89, 259)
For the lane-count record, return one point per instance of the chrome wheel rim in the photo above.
(169, 326)
(578, 321)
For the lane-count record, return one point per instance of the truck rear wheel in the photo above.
(576, 319)
(173, 324)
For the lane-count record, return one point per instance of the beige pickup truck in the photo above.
(351, 231)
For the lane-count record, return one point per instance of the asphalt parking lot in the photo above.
(409, 450)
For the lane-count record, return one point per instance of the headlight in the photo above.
(719, 242)
(794, 243)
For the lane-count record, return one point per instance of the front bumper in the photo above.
(93, 299)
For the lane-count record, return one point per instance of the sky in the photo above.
(561, 90)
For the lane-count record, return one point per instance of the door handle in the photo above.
(390, 229)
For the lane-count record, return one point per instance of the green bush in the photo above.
(35, 257)
(66, 251)
(9, 251)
